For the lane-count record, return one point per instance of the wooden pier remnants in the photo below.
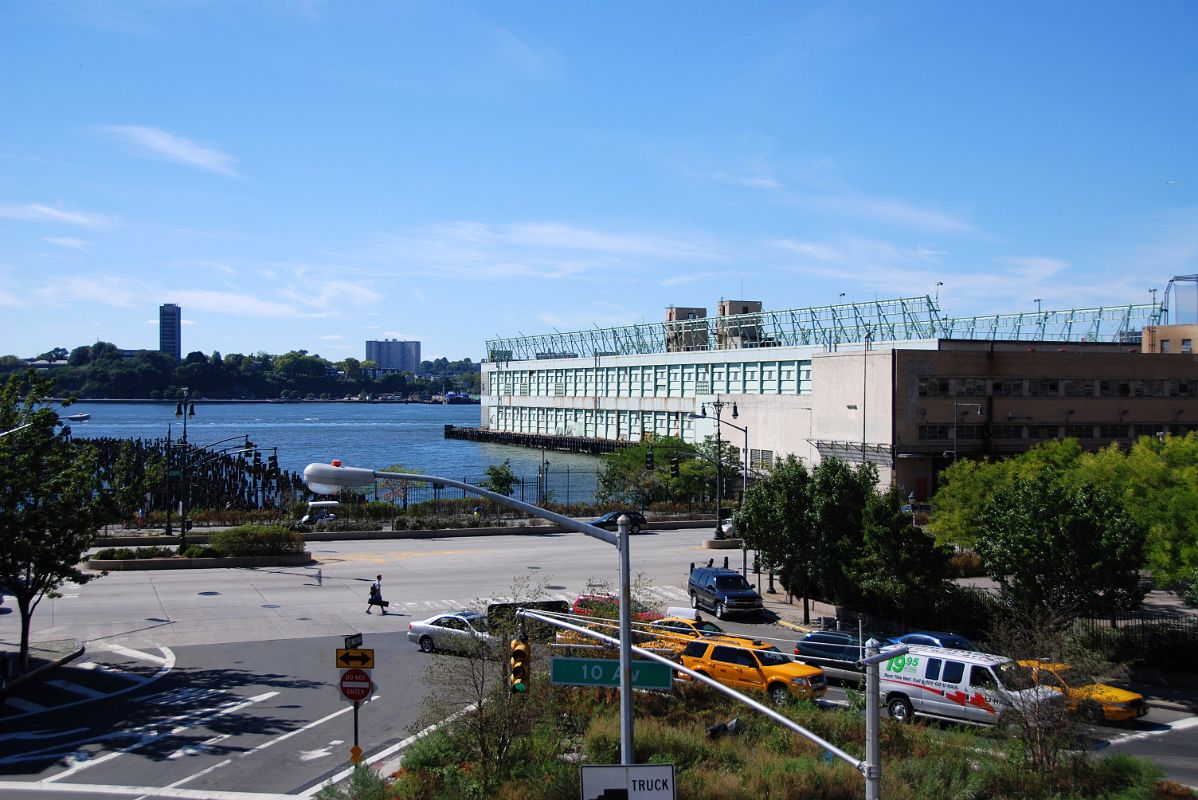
(539, 441)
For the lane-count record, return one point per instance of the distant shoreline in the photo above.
(170, 401)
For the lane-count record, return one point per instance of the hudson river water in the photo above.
(360, 434)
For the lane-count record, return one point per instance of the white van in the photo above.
(957, 685)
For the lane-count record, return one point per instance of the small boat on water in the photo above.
(79, 417)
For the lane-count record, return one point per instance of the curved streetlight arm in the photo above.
(331, 478)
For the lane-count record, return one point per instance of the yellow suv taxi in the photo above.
(1095, 702)
(754, 665)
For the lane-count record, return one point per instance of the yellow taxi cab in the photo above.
(681, 625)
(746, 665)
(1096, 702)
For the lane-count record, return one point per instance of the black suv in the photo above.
(835, 652)
(636, 521)
(724, 591)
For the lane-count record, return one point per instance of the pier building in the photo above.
(895, 383)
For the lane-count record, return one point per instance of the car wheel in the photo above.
(779, 694)
(694, 600)
(426, 644)
(1092, 712)
(721, 611)
(635, 529)
(900, 709)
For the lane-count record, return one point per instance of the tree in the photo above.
(899, 564)
(839, 494)
(775, 520)
(1052, 544)
(52, 500)
(500, 478)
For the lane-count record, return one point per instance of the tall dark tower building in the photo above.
(170, 334)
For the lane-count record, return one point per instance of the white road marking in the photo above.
(29, 787)
(312, 755)
(1170, 727)
(140, 655)
(150, 737)
(116, 672)
(312, 724)
(200, 774)
(28, 706)
(74, 688)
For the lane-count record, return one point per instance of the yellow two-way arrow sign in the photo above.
(360, 657)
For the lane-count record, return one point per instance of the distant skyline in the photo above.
(300, 174)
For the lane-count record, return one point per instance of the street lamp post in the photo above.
(956, 419)
(332, 478)
(718, 406)
(184, 408)
(744, 483)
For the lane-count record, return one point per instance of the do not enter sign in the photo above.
(355, 684)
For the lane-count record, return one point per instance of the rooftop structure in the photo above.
(828, 327)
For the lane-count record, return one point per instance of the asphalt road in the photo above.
(222, 683)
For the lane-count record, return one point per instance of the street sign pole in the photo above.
(355, 753)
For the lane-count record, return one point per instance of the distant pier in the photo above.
(538, 441)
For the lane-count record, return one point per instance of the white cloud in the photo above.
(157, 143)
(523, 56)
(108, 290)
(36, 212)
(66, 241)
(333, 337)
(236, 303)
(540, 250)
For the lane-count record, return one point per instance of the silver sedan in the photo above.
(457, 631)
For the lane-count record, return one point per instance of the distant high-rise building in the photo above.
(394, 354)
(170, 330)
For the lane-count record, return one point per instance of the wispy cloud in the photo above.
(107, 290)
(542, 250)
(157, 143)
(691, 277)
(66, 241)
(523, 56)
(36, 212)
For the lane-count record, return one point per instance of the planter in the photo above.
(128, 564)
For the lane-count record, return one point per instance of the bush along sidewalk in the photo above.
(260, 544)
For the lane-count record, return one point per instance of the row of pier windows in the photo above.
(1057, 387)
(629, 426)
(656, 380)
(1079, 430)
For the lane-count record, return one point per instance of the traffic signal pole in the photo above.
(627, 751)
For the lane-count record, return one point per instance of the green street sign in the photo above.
(566, 671)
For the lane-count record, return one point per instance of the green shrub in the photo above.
(200, 551)
(257, 540)
(1189, 589)
(126, 553)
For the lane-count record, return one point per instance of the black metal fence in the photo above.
(560, 486)
(1165, 641)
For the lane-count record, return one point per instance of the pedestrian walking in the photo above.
(376, 596)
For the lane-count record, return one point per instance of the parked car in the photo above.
(755, 666)
(936, 639)
(610, 520)
(457, 631)
(724, 591)
(835, 652)
(1096, 702)
(681, 626)
(958, 685)
(608, 605)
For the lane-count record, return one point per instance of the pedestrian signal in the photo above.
(520, 661)
(674, 467)
(649, 460)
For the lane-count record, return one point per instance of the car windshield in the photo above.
(1016, 677)
(732, 583)
(706, 627)
(773, 658)
(957, 643)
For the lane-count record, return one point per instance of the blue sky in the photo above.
(310, 175)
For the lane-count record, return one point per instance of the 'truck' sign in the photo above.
(636, 782)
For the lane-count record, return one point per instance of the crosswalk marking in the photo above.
(115, 672)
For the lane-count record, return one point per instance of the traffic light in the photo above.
(649, 459)
(272, 466)
(521, 666)
(674, 467)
